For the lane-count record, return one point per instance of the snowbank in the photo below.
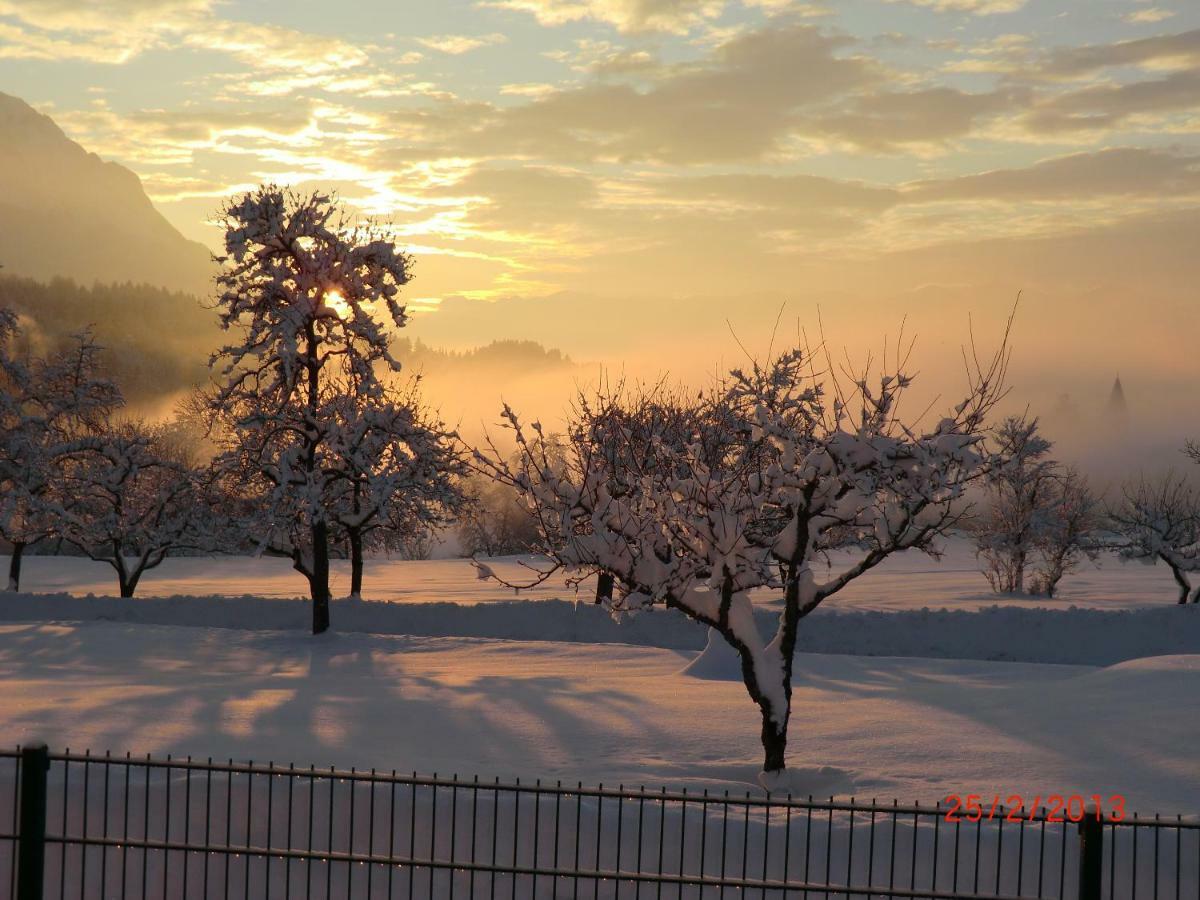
(1008, 633)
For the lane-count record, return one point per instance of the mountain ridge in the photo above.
(68, 212)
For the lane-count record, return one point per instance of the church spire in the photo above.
(1116, 400)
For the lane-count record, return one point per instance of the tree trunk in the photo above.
(319, 579)
(126, 582)
(14, 566)
(774, 736)
(356, 563)
(774, 741)
(1185, 589)
(604, 587)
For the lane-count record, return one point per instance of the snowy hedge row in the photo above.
(1070, 635)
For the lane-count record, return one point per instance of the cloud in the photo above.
(1105, 107)
(116, 31)
(528, 89)
(1004, 54)
(21, 43)
(570, 227)
(266, 141)
(457, 44)
(605, 58)
(100, 31)
(1149, 15)
(1180, 50)
(102, 15)
(779, 192)
(1117, 171)
(737, 104)
(272, 47)
(975, 7)
(775, 93)
(671, 16)
(790, 7)
(522, 199)
(624, 15)
(892, 120)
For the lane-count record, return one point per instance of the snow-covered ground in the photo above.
(905, 687)
(907, 581)
(910, 606)
(870, 727)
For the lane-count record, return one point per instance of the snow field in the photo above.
(913, 729)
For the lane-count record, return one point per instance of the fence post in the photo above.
(31, 858)
(1091, 855)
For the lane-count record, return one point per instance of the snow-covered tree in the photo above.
(1041, 517)
(50, 408)
(795, 473)
(1020, 490)
(1159, 519)
(134, 501)
(641, 420)
(399, 474)
(1070, 534)
(312, 297)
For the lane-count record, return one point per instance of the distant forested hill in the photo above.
(511, 356)
(156, 341)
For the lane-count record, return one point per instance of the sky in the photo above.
(614, 174)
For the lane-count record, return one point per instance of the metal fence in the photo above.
(86, 826)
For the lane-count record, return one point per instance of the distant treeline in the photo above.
(156, 342)
(500, 355)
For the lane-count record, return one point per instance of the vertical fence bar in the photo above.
(16, 823)
(31, 859)
(1091, 856)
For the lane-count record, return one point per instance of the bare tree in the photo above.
(1070, 535)
(1159, 519)
(1020, 488)
(796, 475)
(494, 522)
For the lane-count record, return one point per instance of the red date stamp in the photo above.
(1013, 808)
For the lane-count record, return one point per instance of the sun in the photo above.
(335, 301)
